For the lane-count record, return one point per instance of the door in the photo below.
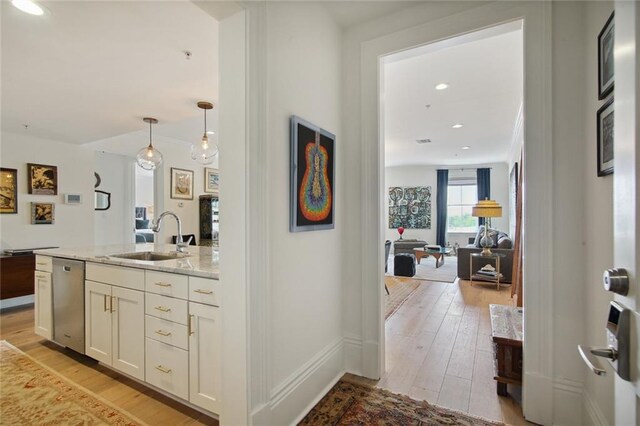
(627, 193)
(127, 316)
(204, 356)
(97, 311)
(43, 305)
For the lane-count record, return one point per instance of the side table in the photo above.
(506, 333)
(480, 277)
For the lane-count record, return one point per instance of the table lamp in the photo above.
(401, 231)
(486, 208)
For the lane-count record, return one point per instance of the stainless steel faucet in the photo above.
(180, 244)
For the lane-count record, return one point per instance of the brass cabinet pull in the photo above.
(111, 304)
(41, 263)
(41, 277)
(163, 369)
(201, 291)
(163, 333)
(161, 284)
(105, 303)
(162, 308)
(191, 331)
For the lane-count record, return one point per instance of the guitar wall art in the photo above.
(312, 177)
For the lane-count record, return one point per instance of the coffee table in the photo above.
(438, 254)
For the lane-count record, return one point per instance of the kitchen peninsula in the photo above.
(145, 310)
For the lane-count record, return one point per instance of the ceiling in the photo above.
(484, 71)
(89, 70)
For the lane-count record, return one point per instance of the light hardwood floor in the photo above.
(438, 348)
(16, 326)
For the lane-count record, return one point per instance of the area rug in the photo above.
(399, 291)
(355, 404)
(31, 393)
(426, 270)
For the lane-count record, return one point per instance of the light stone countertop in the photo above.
(198, 261)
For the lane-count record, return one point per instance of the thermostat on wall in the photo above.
(73, 198)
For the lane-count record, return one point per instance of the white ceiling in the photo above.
(89, 70)
(484, 71)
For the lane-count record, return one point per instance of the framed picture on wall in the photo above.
(605, 59)
(312, 191)
(42, 180)
(181, 184)
(605, 138)
(211, 180)
(8, 190)
(42, 213)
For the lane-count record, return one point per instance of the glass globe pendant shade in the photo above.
(149, 158)
(205, 151)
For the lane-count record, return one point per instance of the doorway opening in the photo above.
(452, 128)
(145, 210)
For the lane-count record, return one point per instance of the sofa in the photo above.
(502, 245)
(406, 246)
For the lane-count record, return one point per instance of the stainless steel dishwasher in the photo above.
(68, 303)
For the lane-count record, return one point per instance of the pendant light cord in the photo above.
(150, 133)
(205, 121)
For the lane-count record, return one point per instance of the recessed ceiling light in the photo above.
(27, 6)
(457, 126)
(442, 86)
(466, 147)
(423, 141)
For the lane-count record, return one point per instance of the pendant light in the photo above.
(204, 151)
(149, 158)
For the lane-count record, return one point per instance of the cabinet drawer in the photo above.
(173, 285)
(166, 308)
(44, 263)
(204, 290)
(116, 275)
(167, 332)
(167, 367)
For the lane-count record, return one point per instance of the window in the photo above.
(460, 199)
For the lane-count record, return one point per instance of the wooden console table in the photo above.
(506, 333)
(16, 277)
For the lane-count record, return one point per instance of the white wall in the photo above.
(144, 188)
(556, 374)
(175, 154)
(427, 176)
(598, 222)
(73, 225)
(304, 286)
(115, 225)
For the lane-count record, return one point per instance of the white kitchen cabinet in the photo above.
(43, 304)
(114, 327)
(204, 356)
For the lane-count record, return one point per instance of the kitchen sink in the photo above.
(149, 256)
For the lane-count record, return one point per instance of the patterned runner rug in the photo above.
(399, 291)
(355, 404)
(31, 394)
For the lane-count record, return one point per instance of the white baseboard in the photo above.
(353, 355)
(593, 415)
(16, 301)
(291, 400)
(539, 399)
(567, 402)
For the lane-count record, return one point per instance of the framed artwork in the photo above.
(8, 190)
(605, 59)
(42, 213)
(312, 188)
(181, 184)
(211, 180)
(43, 180)
(410, 207)
(605, 138)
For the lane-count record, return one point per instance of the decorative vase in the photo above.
(401, 231)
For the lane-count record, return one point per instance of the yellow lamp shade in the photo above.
(486, 208)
